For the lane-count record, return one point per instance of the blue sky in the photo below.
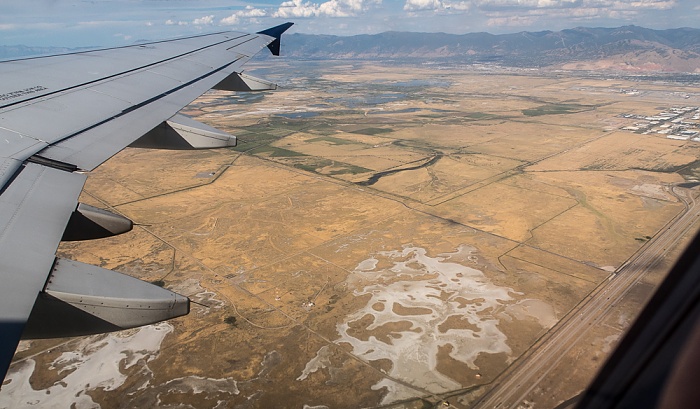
(75, 23)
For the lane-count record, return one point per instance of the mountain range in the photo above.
(627, 48)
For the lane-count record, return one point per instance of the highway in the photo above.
(514, 385)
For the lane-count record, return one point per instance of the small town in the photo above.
(681, 123)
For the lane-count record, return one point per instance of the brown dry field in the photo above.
(483, 223)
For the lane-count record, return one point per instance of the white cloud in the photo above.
(414, 5)
(98, 21)
(344, 8)
(438, 5)
(204, 21)
(511, 21)
(541, 13)
(518, 13)
(249, 12)
(526, 3)
(654, 4)
(559, 4)
(331, 8)
(459, 5)
(231, 20)
(175, 23)
(296, 8)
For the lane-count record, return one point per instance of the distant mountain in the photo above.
(628, 48)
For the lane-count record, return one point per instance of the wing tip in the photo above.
(276, 33)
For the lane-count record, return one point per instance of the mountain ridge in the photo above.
(626, 48)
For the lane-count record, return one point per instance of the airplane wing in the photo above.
(62, 116)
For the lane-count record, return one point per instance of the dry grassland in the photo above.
(398, 240)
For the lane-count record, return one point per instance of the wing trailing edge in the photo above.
(244, 83)
(67, 114)
(34, 210)
(82, 299)
(183, 133)
(89, 222)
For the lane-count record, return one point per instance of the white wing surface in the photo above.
(60, 117)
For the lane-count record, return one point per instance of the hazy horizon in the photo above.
(79, 23)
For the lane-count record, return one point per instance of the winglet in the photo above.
(276, 32)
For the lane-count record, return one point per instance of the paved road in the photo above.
(525, 374)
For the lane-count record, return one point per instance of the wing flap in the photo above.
(63, 113)
(244, 82)
(34, 210)
(183, 133)
(89, 223)
(81, 299)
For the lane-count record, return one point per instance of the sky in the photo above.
(77, 23)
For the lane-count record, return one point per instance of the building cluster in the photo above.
(681, 123)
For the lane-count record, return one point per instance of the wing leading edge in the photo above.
(60, 117)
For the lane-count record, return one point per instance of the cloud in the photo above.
(103, 20)
(438, 5)
(654, 4)
(567, 4)
(332, 8)
(414, 5)
(527, 4)
(344, 8)
(520, 13)
(511, 21)
(296, 8)
(541, 13)
(459, 5)
(175, 23)
(204, 21)
(249, 12)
